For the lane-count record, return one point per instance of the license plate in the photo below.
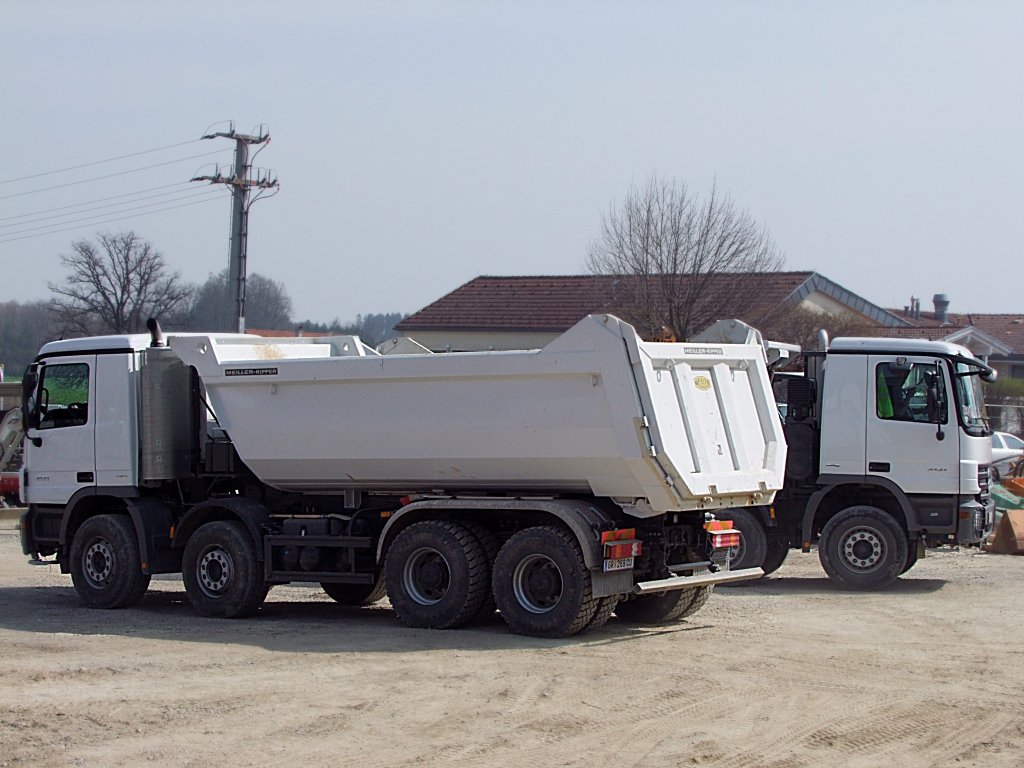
(619, 564)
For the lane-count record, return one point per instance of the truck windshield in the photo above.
(971, 400)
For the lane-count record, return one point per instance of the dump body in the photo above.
(659, 426)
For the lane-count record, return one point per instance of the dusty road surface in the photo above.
(784, 674)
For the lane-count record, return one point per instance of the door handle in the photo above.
(84, 477)
(878, 466)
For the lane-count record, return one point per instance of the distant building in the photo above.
(527, 312)
(995, 338)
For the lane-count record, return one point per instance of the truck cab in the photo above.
(889, 451)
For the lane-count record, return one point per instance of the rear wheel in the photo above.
(863, 547)
(355, 594)
(105, 563)
(663, 607)
(436, 575)
(542, 585)
(605, 608)
(750, 552)
(489, 541)
(222, 575)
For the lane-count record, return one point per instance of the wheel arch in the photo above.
(250, 513)
(845, 491)
(584, 520)
(151, 518)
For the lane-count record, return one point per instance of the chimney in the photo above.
(941, 302)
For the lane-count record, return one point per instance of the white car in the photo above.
(1006, 449)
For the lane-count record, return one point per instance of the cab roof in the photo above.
(902, 346)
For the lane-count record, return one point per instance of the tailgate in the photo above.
(712, 422)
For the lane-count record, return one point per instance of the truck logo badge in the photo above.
(702, 351)
(250, 372)
(703, 383)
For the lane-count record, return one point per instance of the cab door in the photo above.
(60, 445)
(910, 439)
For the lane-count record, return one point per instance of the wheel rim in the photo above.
(98, 562)
(863, 549)
(215, 570)
(537, 584)
(426, 576)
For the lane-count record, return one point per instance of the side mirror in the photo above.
(933, 403)
(29, 405)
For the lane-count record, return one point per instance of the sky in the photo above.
(420, 144)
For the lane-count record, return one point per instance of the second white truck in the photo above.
(889, 451)
(556, 485)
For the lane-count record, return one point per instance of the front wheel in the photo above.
(863, 547)
(221, 572)
(542, 585)
(750, 552)
(661, 608)
(105, 563)
(775, 553)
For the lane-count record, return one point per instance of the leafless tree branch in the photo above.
(114, 285)
(666, 247)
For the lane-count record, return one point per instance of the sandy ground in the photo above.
(783, 674)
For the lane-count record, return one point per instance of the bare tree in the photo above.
(114, 285)
(796, 324)
(669, 251)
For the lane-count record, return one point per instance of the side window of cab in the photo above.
(64, 396)
(910, 392)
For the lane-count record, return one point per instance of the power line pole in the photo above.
(241, 180)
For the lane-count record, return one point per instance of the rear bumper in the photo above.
(698, 580)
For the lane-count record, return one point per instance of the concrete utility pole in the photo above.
(242, 180)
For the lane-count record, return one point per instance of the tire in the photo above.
(663, 607)
(355, 594)
(436, 575)
(222, 574)
(775, 553)
(605, 608)
(105, 563)
(753, 540)
(862, 547)
(912, 556)
(542, 585)
(489, 541)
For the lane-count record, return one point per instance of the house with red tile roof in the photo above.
(526, 312)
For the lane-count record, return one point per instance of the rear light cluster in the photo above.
(621, 543)
(722, 534)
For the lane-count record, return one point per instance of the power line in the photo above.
(94, 208)
(97, 200)
(111, 175)
(99, 162)
(106, 221)
(87, 218)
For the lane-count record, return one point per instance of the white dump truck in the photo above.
(889, 450)
(556, 485)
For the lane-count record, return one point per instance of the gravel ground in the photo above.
(785, 673)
